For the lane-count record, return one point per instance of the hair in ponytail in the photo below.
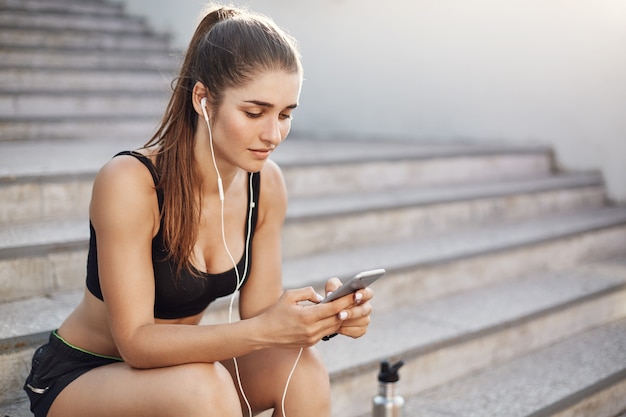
(229, 47)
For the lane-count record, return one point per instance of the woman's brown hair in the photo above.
(229, 47)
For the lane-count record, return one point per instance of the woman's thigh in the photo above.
(264, 376)
(202, 390)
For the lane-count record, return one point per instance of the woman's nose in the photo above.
(272, 132)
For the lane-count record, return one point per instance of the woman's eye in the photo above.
(253, 115)
(285, 116)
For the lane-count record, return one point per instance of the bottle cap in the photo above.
(389, 373)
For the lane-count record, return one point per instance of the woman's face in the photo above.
(255, 118)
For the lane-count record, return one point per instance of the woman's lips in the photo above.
(261, 153)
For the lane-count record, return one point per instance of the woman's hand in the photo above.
(298, 319)
(356, 316)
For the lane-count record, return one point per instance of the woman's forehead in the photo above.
(278, 88)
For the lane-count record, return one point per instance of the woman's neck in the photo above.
(208, 170)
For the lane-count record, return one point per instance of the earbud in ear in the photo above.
(203, 104)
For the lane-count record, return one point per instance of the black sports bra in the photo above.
(184, 295)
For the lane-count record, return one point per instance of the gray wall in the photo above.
(549, 72)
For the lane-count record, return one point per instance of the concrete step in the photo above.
(453, 337)
(337, 167)
(25, 80)
(335, 222)
(52, 173)
(582, 376)
(54, 106)
(37, 263)
(471, 257)
(109, 128)
(450, 264)
(49, 255)
(68, 58)
(82, 39)
(105, 8)
(32, 160)
(17, 408)
(440, 340)
(25, 18)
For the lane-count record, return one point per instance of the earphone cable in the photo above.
(245, 272)
(239, 281)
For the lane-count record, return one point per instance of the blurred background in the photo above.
(546, 72)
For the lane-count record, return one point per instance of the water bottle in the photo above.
(387, 403)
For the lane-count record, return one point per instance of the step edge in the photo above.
(416, 156)
(409, 155)
(474, 334)
(518, 187)
(113, 8)
(14, 343)
(149, 34)
(42, 249)
(553, 236)
(583, 227)
(81, 94)
(580, 395)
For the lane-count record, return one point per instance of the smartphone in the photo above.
(357, 282)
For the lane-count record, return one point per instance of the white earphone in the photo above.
(206, 115)
(220, 187)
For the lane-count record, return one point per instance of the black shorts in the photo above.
(55, 365)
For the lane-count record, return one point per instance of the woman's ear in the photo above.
(200, 92)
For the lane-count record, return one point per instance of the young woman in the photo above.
(168, 224)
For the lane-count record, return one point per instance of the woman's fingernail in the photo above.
(357, 297)
(343, 315)
(319, 297)
(328, 293)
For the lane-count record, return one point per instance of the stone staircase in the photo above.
(506, 286)
(79, 69)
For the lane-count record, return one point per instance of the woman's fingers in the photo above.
(331, 285)
(348, 315)
(303, 294)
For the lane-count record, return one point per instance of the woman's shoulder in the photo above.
(124, 185)
(273, 194)
(128, 168)
(119, 173)
(272, 179)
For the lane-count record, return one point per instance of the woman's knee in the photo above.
(206, 389)
(314, 366)
(310, 386)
